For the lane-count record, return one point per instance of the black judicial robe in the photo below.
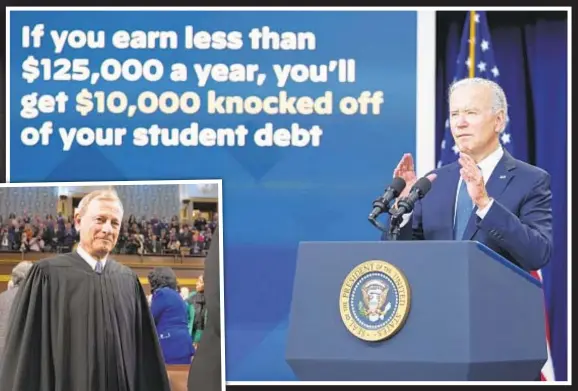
(75, 330)
(205, 373)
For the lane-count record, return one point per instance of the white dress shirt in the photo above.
(487, 166)
(88, 258)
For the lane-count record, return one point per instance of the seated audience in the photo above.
(154, 236)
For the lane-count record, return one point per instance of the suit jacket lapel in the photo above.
(501, 176)
(496, 185)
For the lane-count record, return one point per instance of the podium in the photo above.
(471, 315)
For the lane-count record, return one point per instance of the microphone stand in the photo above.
(378, 203)
(377, 224)
(395, 224)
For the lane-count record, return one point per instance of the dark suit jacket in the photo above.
(518, 225)
(205, 372)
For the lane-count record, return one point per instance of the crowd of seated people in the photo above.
(143, 236)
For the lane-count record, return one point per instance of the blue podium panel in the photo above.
(473, 316)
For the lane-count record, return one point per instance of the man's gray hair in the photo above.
(20, 272)
(499, 101)
(106, 194)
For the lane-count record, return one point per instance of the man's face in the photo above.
(474, 126)
(100, 226)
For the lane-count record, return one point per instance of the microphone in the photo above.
(417, 192)
(382, 203)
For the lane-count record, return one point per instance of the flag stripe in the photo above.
(548, 368)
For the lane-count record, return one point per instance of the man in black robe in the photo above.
(205, 373)
(81, 321)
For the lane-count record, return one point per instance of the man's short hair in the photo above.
(105, 194)
(499, 101)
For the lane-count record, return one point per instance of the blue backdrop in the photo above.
(273, 197)
(530, 49)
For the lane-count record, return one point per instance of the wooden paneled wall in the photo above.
(187, 269)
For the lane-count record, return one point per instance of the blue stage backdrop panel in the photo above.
(273, 197)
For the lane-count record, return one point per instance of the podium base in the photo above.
(330, 370)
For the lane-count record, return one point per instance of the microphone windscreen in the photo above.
(398, 184)
(423, 185)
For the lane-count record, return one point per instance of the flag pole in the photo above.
(472, 43)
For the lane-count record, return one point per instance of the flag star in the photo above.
(495, 71)
(439, 163)
(477, 18)
(468, 63)
(456, 149)
(485, 45)
(506, 138)
(482, 66)
(447, 123)
(444, 144)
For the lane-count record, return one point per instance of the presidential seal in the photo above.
(374, 300)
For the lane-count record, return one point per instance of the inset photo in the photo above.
(111, 286)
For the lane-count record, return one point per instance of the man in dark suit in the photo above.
(486, 195)
(205, 373)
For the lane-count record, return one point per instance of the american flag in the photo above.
(476, 59)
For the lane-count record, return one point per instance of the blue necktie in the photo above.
(464, 208)
(98, 267)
